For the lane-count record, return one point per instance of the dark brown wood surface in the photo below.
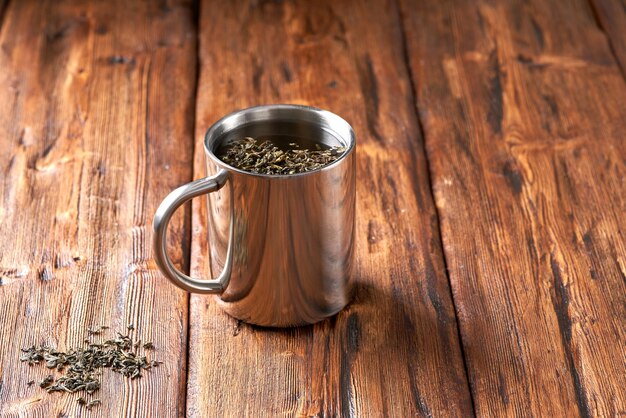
(491, 256)
(96, 122)
(522, 105)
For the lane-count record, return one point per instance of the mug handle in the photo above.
(161, 220)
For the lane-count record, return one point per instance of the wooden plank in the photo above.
(611, 16)
(394, 351)
(95, 128)
(523, 112)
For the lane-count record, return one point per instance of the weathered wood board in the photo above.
(491, 259)
(522, 105)
(96, 124)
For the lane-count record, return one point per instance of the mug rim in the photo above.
(321, 113)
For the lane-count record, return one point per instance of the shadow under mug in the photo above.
(283, 245)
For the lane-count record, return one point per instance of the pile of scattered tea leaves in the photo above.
(264, 157)
(81, 368)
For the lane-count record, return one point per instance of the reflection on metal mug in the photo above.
(283, 245)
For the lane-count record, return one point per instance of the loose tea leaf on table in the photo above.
(265, 157)
(81, 368)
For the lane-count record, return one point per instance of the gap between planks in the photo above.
(596, 17)
(187, 207)
(188, 222)
(4, 5)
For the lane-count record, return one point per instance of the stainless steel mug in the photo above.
(282, 246)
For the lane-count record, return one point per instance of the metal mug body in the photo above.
(282, 245)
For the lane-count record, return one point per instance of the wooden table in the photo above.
(491, 231)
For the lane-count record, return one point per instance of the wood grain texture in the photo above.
(522, 105)
(394, 351)
(96, 122)
(611, 16)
